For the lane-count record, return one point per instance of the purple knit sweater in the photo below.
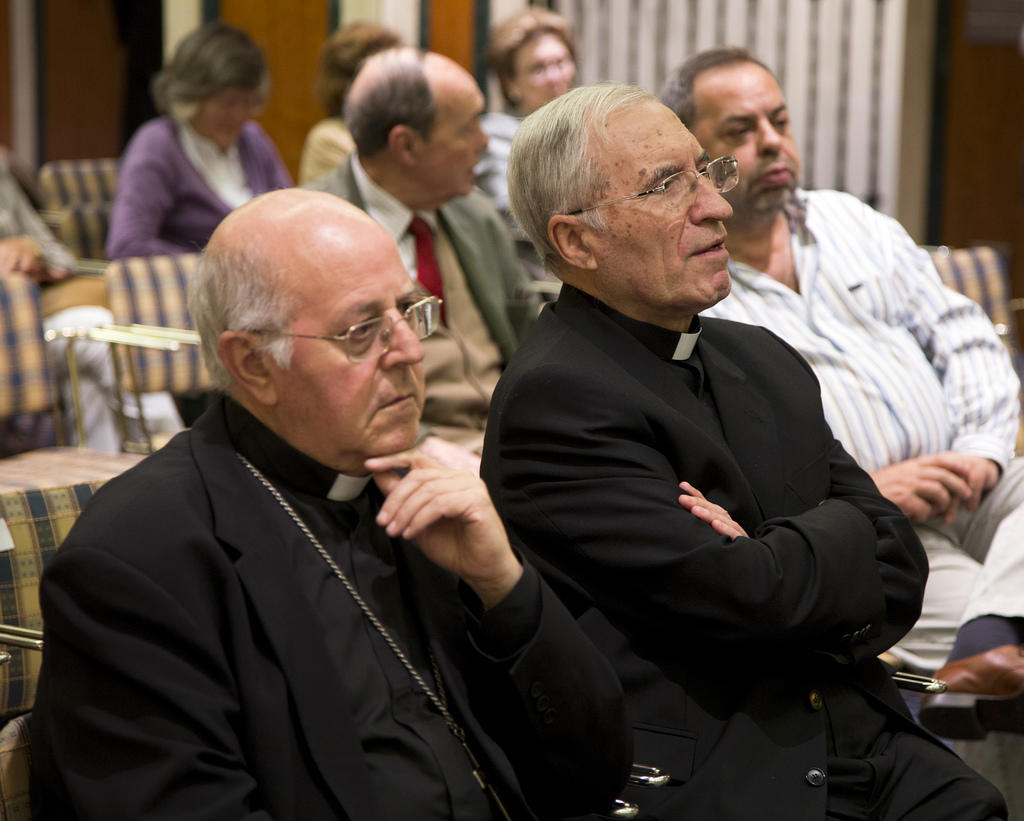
(164, 206)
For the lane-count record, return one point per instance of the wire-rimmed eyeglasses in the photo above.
(678, 188)
(372, 338)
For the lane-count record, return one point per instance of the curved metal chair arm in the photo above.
(640, 775)
(918, 684)
(21, 637)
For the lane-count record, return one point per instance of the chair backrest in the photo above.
(15, 768)
(981, 274)
(26, 383)
(72, 182)
(151, 291)
(83, 228)
(34, 523)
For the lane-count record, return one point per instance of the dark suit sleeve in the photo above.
(552, 702)
(584, 475)
(139, 702)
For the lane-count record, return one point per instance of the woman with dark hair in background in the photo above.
(329, 141)
(184, 171)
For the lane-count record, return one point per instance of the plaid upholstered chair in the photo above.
(32, 525)
(981, 274)
(15, 769)
(27, 388)
(73, 182)
(83, 227)
(26, 384)
(150, 291)
(77, 197)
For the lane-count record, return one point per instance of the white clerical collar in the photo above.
(347, 488)
(687, 342)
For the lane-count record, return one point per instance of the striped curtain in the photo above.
(839, 62)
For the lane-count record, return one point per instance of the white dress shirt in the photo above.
(222, 170)
(907, 366)
(392, 214)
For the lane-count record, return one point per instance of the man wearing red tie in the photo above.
(414, 118)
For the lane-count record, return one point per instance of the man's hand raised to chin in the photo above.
(449, 514)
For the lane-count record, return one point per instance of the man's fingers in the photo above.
(915, 508)
(714, 515)
(426, 495)
(689, 489)
(730, 529)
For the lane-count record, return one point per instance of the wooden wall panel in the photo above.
(452, 30)
(290, 35)
(982, 176)
(5, 74)
(82, 80)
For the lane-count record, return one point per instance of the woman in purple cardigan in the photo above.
(183, 172)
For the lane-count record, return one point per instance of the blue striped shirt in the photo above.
(907, 366)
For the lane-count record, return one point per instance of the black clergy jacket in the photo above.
(724, 647)
(185, 676)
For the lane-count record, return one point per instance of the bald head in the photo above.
(288, 284)
(286, 226)
(391, 89)
(246, 275)
(414, 119)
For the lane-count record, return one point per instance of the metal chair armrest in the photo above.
(918, 684)
(21, 636)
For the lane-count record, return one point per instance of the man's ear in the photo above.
(404, 143)
(573, 240)
(249, 366)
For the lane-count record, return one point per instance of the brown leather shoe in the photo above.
(996, 672)
(986, 692)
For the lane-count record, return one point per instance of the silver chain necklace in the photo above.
(439, 698)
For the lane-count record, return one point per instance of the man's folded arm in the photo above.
(837, 577)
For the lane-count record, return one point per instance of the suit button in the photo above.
(815, 777)
(815, 699)
(542, 704)
(536, 689)
(549, 716)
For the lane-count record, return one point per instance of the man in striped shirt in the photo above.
(914, 381)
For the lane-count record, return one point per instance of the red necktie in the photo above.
(427, 270)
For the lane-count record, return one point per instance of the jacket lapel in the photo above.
(748, 423)
(744, 414)
(261, 540)
(438, 607)
(464, 227)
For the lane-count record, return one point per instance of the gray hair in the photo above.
(677, 92)
(233, 289)
(391, 89)
(213, 58)
(553, 167)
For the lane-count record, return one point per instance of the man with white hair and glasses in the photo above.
(243, 627)
(675, 480)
